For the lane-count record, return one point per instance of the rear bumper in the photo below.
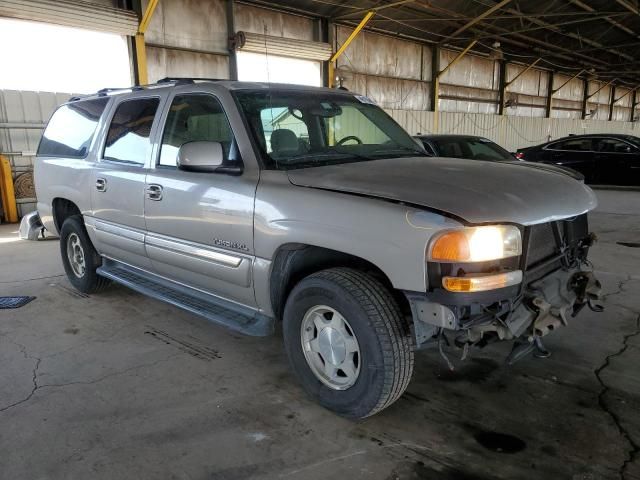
(507, 314)
(30, 226)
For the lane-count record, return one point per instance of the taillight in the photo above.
(519, 155)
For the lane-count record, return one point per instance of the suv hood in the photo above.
(477, 192)
(552, 168)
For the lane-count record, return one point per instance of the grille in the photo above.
(543, 243)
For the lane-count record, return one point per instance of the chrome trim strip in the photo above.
(102, 226)
(194, 251)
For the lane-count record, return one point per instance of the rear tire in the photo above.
(79, 258)
(340, 321)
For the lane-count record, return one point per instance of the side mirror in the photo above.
(200, 156)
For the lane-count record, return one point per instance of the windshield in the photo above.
(315, 128)
(472, 149)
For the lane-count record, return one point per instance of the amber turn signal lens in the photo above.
(481, 283)
(451, 246)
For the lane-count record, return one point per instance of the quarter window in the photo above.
(195, 118)
(71, 129)
(129, 134)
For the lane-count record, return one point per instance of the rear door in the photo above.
(576, 153)
(617, 162)
(119, 179)
(200, 224)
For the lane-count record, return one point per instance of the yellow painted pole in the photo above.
(141, 59)
(141, 51)
(7, 194)
(346, 43)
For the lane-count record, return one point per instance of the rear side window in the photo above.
(71, 129)
(576, 145)
(128, 139)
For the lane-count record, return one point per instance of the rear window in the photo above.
(71, 129)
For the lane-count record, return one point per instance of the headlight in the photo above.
(476, 244)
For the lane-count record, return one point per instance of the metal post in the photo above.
(502, 88)
(612, 102)
(435, 68)
(634, 103)
(549, 105)
(231, 31)
(324, 27)
(585, 97)
(140, 50)
(7, 193)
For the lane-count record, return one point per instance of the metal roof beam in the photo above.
(478, 19)
(374, 9)
(618, 25)
(575, 36)
(628, 6)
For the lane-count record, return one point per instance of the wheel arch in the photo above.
(62, 209)
(294, 261)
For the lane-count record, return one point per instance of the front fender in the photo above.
(389, 235)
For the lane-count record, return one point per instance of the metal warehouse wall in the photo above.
(187, 38)
(22, 118)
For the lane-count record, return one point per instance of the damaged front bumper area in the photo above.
(557, 284)
(546, 305)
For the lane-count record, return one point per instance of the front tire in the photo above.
(79, 258)
(348, 342)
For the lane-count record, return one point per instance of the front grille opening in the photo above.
(544, 244)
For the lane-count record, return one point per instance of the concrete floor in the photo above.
(117, 385)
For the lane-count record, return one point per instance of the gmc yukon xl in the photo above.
(252, 204)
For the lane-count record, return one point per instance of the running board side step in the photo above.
(222, 312)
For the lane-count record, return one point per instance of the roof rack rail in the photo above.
(175, 80)
(188, 80)
(103, 91)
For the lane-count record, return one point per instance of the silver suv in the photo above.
(254, 204)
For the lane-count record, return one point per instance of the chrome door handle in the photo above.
(154, 192)
(101, 185)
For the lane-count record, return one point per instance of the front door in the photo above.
(117, 224)
(200, 224)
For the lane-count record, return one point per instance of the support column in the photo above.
(324, 29)
(435, 69)
(612, 101)
(502, 85)
(231, 31)
(585, 97)
(549, 105)
(140, 51)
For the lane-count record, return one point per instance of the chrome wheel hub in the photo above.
(75, 255)
(330, 347)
